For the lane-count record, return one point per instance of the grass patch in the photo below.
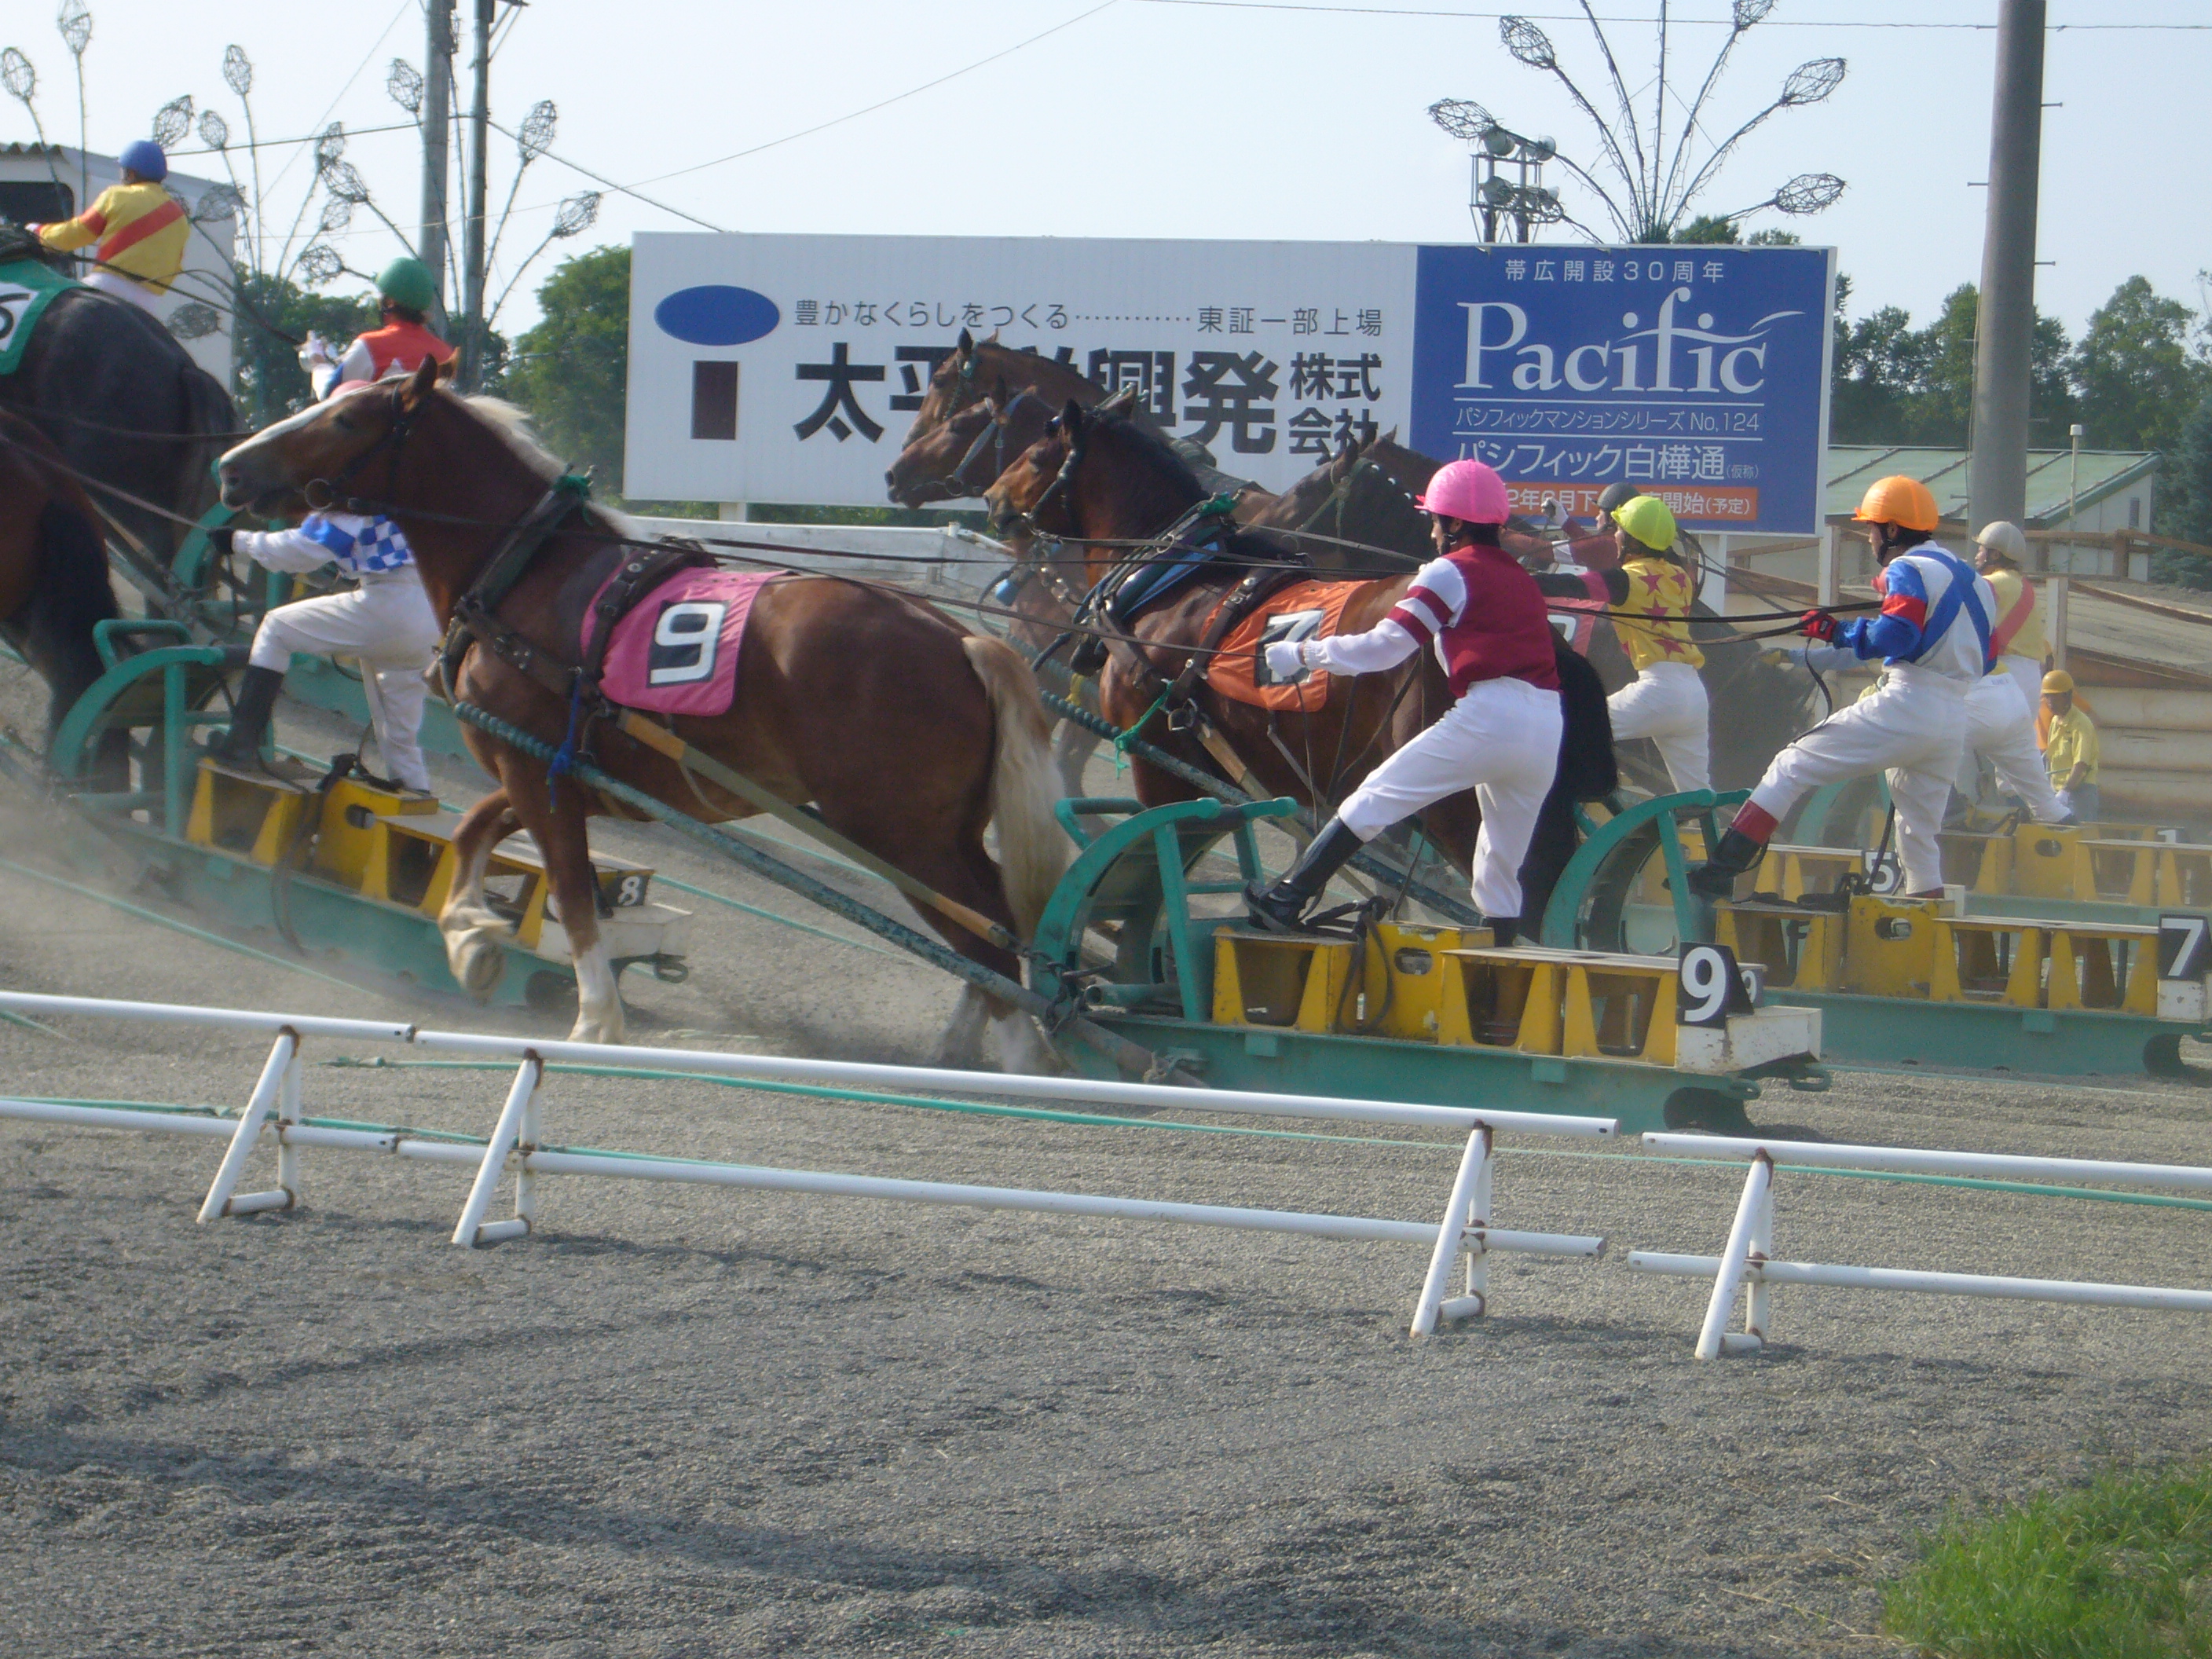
(2116, 1570)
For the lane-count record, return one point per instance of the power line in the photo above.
(623, 190)
(1715, 23)
(312, 138)
(855, 115)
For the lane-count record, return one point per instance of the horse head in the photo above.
(952, 460)
(306, 461)
(1040, 477)
(957, 384)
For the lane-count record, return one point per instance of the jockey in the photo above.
(1500, 737)
(385, 623)
(1934, 633)
(405, 292)
(1666, 702)
(2016, 630)
(141, 228)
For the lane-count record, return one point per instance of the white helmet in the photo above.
(2005, 540)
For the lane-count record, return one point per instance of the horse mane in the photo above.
(510, 423)
(17, 243)
(1150, 446)
(1009, 355)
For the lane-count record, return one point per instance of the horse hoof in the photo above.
(478, 963)
(603, 1027)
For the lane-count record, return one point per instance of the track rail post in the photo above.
(516, 1117)
(1468, 1209)
(278, 1086)
(1754, 1217)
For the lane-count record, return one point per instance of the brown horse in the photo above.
(958, 458)
(909, 736)
(53, 576)
(982, 370)
(1095, 481)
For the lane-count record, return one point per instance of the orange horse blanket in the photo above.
(1303, 611)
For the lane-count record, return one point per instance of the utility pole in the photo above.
(472, 290)
(2006, 322)
(437, 129)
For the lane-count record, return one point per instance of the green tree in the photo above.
(1895, 383)
(2136, 372)
(2185, 483)
(572, 371)
(275, 315)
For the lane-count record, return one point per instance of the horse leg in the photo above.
(1072, 748)
(960, 1047)
(473, 931)
(557, 825)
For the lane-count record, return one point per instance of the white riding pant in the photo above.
(386, 625)
(2002, 727)
(1913, 727)
(2027, 674)
(1501, 740)
(123, 288)
(1666, 703)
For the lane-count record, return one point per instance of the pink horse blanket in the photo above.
(676, 653)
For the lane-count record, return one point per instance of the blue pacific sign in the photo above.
(1698, 374)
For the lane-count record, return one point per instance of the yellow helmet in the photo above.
(2058, 680)
(1648, 520)
(1900, 501)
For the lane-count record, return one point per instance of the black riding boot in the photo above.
(1716, 878)
(1279, 909)
(1504, 930)
(240, 743)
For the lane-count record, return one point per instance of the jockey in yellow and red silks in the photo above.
(141, 228)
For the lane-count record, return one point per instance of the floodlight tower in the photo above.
(1492, 196)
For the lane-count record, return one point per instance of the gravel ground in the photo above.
(684, 1421)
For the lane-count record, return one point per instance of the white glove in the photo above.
(1287, 660)
(316, 353)
(2066, 800)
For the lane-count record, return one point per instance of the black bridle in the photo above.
(389, 443)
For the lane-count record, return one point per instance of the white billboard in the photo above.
(788, 368)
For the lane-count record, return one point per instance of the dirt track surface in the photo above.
(683, 1421)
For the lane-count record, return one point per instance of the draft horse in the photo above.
(907, 734)
(54, 577)
(1096, 483)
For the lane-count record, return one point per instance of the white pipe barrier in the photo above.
(274, 1107)
(1746, 1260)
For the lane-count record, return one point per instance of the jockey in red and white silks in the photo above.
(1486, 621)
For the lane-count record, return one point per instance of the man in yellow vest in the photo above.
(2070, 749)
(141, 228)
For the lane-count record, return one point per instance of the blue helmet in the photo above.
(143, 157)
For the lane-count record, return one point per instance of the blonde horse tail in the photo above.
(1033, 849)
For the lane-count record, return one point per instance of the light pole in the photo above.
(2006, 315)
(437, 130)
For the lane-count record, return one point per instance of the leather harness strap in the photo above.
(639, 575)
(474, 621)
(509, 560)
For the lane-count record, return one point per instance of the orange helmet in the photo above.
(1900, 501)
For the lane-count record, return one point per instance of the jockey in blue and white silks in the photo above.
(385, 623)
(1932, 634)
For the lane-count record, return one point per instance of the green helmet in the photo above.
(407, 281)
(1647, 519)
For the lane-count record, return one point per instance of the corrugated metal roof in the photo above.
(1852, 467)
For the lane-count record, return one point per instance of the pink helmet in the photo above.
(1469, 491)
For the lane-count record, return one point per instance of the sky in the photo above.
(1189, 119)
